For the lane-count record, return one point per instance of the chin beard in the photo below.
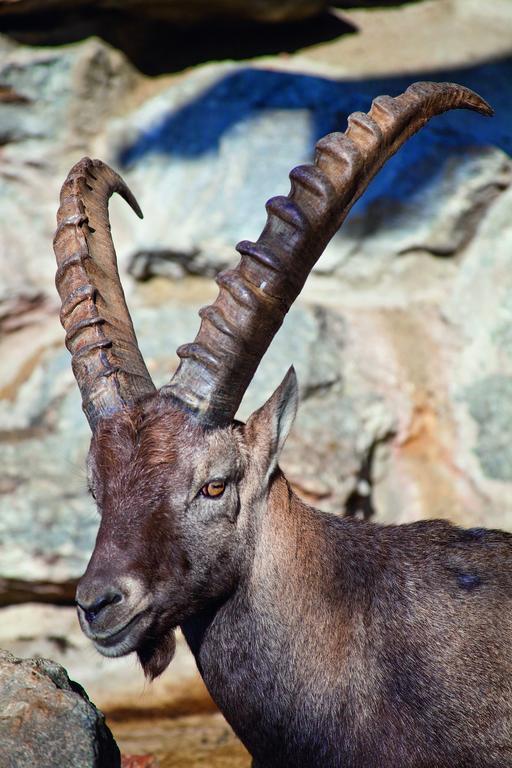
(156, 655)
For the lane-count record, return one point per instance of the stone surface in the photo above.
(425, 36)
(196, 153)
(203, 146)
(47, 720)
(65, 96)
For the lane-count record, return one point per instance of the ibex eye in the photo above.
(213, 489)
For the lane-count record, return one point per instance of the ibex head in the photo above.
(177, 503)
(179, 483)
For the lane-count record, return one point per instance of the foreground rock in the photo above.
(47, 720)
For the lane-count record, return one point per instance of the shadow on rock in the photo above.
(158, 46)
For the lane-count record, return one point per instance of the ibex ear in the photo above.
(268, 427)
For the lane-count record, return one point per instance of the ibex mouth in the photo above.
(124, 640)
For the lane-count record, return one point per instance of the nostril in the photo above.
(90, 616)
(91, 610)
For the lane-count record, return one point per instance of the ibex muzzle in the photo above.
(325, 641)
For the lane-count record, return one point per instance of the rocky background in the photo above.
(402, 338)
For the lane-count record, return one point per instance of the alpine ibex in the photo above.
(324, 641)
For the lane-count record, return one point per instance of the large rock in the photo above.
(210, 150)
(196, 153)
(47, 720)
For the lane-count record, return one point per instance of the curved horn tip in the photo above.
(128, 195)
(482, 106)
(119, 186)
(116, 183)
(467, 98)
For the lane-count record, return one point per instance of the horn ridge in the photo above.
(255, 296)
(106, 360)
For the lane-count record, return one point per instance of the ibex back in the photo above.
(324, 641)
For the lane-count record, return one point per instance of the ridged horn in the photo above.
(106, 360)
(216, 369)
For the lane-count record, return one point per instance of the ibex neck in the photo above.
(279, 539)
(288, 538)
(253, 649)
(286, 577)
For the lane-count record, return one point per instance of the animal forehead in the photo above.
(157, 435)
(218, 455)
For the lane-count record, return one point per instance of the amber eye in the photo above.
(213, 489)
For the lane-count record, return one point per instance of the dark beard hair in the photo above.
(156, 655)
